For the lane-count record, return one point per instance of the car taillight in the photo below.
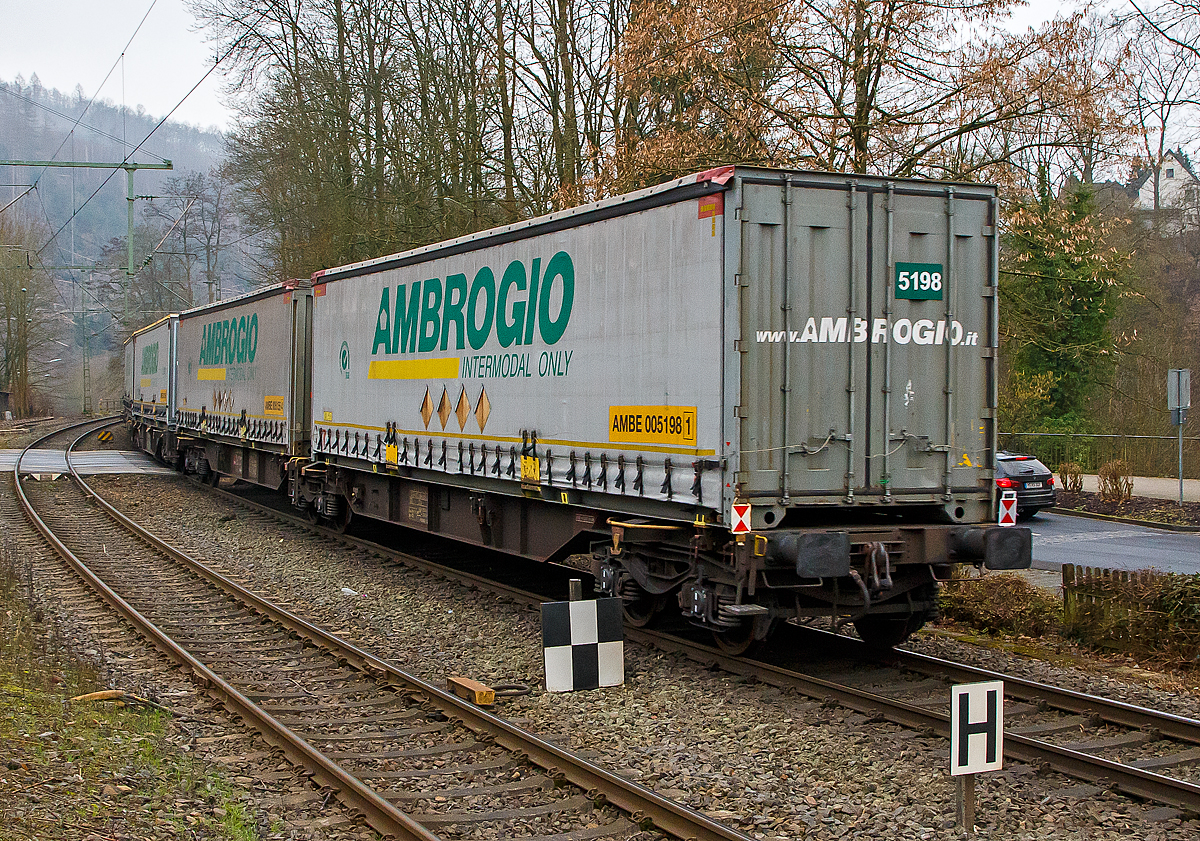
(1050, 481)
(1005, 483)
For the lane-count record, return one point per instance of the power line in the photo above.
(18, 198)
(159, 125)
(77, 123)
(103, 83)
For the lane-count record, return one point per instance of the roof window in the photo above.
(1170, 172)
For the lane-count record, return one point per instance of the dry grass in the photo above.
(1152, 616)
(92, 771)
(1001, 604)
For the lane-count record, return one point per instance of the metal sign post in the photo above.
(976, 741)
(1179, 400)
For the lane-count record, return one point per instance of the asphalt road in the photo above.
(1059, 540)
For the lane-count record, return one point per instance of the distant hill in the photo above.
(35, 122)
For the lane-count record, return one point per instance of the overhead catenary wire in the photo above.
(216, 63)
(120, 58)
(77, 123)
(18, 198)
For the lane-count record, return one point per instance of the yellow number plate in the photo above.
(672, 425)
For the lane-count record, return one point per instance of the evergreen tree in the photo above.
(1059, 291)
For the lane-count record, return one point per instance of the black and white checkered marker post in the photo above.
(584, 644)
(976, 740)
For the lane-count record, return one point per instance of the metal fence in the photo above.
(1146, 455)
(108, 406)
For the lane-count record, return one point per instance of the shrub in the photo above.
(1116, 485)
(1070, 476)
(1001, 603)
(1145, 614)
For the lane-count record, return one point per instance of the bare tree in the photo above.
(1163, 83)
(27, 294)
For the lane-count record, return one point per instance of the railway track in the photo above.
(417, 762)
(1086, 737)
(1146, 753)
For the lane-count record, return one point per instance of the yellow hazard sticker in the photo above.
(390, 456)
(531, 469)
(966, 461)
(672, 425)
(273, 405)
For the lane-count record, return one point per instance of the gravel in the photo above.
(773, 763)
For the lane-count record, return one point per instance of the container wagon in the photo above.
(149, 395)
(751, 395)
(242, 382)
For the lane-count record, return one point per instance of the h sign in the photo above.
(976, 727)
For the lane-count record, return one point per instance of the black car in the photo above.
(1032, 480)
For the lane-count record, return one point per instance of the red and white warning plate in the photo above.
(741, 518)
(1008, 508)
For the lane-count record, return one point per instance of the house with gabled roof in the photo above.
(1178, 192)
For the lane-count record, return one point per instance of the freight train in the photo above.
(749, 395)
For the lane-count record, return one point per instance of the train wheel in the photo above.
(741, 640)
(213, 479)
(643, 610)
(889, 630)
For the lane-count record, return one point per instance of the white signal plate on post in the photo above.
(741, 518)
(976, 727)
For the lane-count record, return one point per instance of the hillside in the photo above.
(182, 245)
(36, 124)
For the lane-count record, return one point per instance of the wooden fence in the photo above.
(1140, 613)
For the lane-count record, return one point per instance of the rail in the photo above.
(1159, 788)
(645, 807)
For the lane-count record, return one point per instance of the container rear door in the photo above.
(803, 377)
(930, 378)
(865, 361)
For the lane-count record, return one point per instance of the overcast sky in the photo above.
(76, 42)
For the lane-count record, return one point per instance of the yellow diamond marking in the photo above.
(427, 408)
(444, 409)
(483, 409)
(464, 409)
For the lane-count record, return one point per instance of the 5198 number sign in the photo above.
(920, 281)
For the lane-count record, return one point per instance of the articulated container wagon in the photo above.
(756, 395)
(243, 382)
(149, 399)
